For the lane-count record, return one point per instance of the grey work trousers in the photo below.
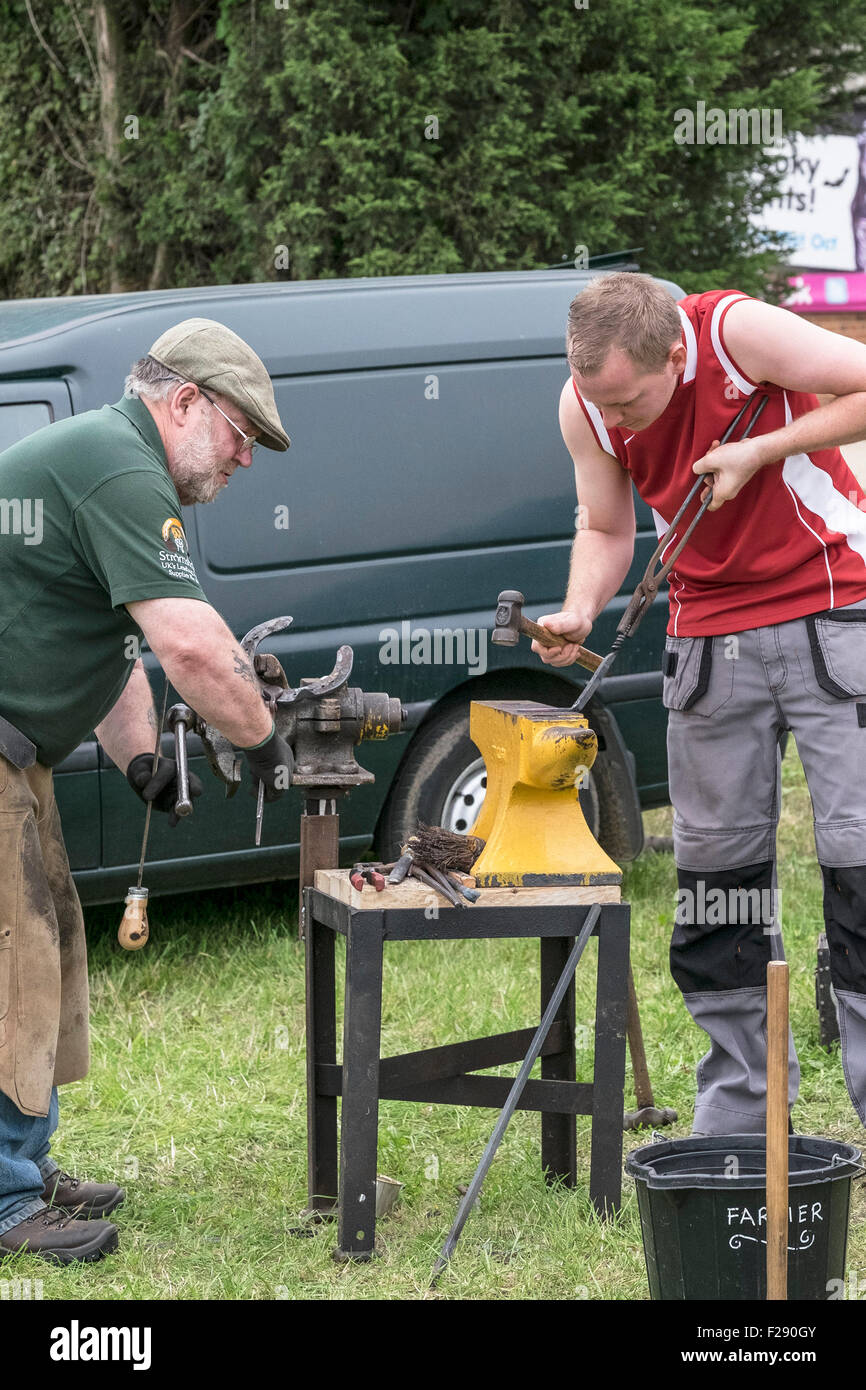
(730, 701)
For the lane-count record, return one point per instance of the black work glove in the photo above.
(160, 787)
(272, 763)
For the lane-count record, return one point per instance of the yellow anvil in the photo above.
(531, 820)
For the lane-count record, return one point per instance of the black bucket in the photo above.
(702, 1209)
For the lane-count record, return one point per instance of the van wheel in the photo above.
(444, 781)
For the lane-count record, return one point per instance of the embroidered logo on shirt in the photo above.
(174, 536)
(174, 556)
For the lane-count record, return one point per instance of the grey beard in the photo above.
(193, 469)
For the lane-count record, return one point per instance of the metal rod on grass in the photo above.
(516, 1091)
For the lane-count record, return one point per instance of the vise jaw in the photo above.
(532, 821)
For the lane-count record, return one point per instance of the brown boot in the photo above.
(81, 1198)
(53, 1236)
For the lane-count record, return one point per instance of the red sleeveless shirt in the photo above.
(792, 542)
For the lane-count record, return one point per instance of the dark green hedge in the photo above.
(306, 128)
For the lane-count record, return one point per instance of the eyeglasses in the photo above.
(249, 440)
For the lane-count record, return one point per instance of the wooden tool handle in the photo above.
(777, 1130)
(643, 1091)
(134, 929)
(553, 639)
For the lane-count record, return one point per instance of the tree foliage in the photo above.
(191, 142)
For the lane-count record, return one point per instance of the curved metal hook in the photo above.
(334, 681)
(258, 634)
(337, 678)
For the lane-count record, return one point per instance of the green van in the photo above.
(426, 474)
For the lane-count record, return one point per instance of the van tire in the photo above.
(440, 753)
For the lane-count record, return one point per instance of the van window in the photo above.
(21, 419)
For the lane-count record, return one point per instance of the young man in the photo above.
(112, 564)
(767, 630)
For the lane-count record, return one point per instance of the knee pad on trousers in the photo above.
(723, 926)
(845, 921)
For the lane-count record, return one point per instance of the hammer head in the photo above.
(509, 611)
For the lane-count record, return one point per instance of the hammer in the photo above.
(510, 622)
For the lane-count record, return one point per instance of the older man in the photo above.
(113, 564)
(767, 630)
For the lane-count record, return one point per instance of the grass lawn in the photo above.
(195, 1102)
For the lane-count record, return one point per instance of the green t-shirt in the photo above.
(89, 520)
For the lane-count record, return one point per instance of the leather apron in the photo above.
(44, 997)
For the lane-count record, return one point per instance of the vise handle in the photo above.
(181, 719)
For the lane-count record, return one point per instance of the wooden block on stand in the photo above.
(411, 893)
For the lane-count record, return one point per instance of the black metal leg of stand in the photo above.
(359, 1121)
(321, 1047)
(558, 1132)
(605, 1179)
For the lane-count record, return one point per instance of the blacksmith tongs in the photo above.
(652, 579)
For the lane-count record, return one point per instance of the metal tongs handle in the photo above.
(649, 585)
(652, 579)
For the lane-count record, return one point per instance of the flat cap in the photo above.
(212, 356)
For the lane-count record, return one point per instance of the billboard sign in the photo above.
(821, 202)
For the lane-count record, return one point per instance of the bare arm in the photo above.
(604, 540)
(129, 728)
(204, 662)
(774, 345)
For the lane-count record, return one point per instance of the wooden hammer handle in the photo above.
(777, 1130)
(553, 639)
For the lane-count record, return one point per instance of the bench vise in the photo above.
(322, 720)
